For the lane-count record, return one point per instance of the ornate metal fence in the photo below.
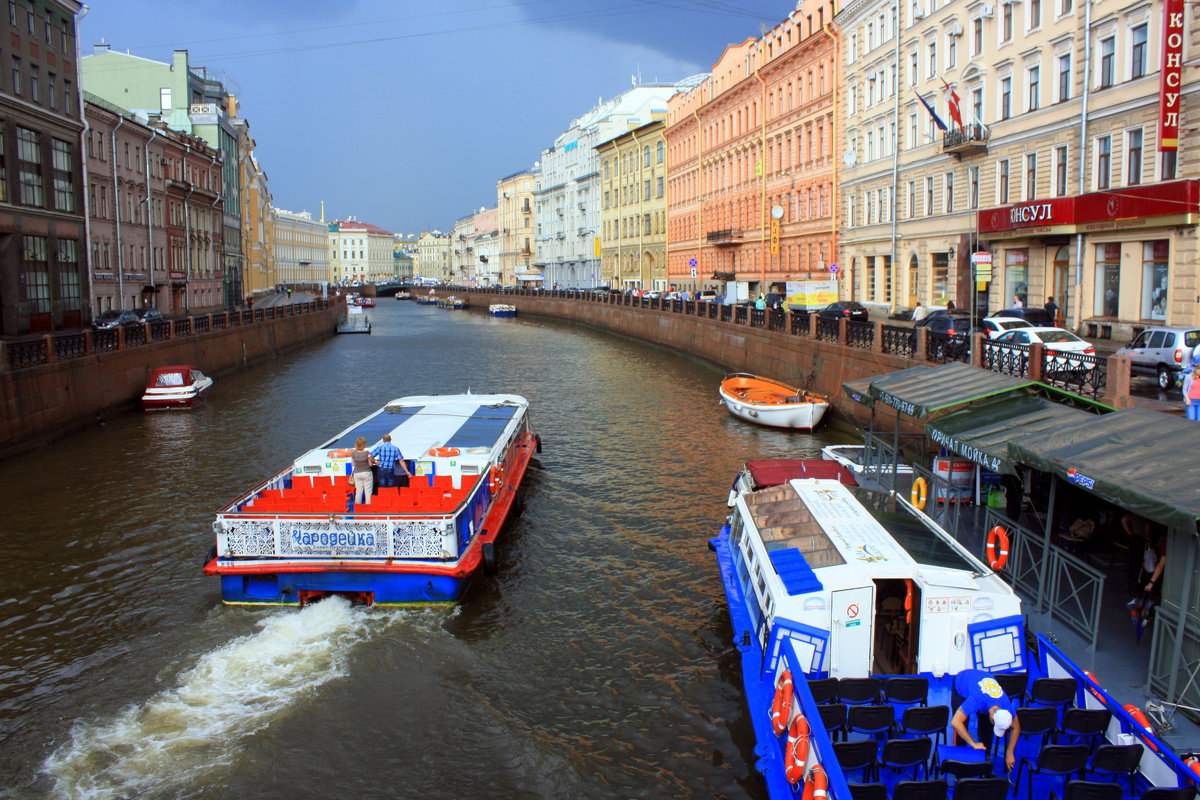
(860, 334)
(1076, 372)
(1005, 358)
(899, 341)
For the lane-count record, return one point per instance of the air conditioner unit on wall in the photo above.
(954, 30)
(986, 11)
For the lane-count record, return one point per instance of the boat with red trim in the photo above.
(853, 613)
(299, 536)
(175, 386)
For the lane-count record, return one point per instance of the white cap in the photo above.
(1001, 721)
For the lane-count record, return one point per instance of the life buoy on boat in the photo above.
(781, 706)
(443, 452)
(920, 491)
(1141, 720)
(817, 785)
(997, 548)
(1093, 692)
(343, 453)
(797, 749)
(496, 480)
(1193, 764)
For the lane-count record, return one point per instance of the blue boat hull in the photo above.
(384, 588)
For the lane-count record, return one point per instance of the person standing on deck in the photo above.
(361, 477)
(977, 694)
(386, 455)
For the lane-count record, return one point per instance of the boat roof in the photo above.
(176, 368)
(772, 472)
(422, 422)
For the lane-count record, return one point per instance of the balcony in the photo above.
(726, 236)
(971, 138)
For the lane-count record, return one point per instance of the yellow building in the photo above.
(633, 207)
(301, 249)
(258, 229)
(514, 203)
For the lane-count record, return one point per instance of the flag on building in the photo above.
(955, 110)
(936, 119)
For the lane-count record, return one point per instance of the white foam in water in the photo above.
(168, 741)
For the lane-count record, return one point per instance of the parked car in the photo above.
(1034, 316)
(115, 318)
(851, 309)
(1162, 353)
(941, 314)
(150, 315)
(994, 326)
(1056, 339)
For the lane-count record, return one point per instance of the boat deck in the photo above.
(325, 495)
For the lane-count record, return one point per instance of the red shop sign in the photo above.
(1172, 75)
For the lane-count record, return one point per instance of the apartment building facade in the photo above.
(301, 249)
(752, 161)
(434, 255)
(360, 252)
(43, 260)
(1054, 162)
(486, 240)
(633, 204)
(514, 204)
(258, 228)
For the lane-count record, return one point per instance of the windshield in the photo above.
(1058, 336)
(918, 540)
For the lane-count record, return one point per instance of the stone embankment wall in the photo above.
(42, 403)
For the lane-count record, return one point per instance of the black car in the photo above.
(944, 323)
(114, 318)
(850, 309)
(149, 315)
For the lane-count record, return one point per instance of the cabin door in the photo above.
(853, 631)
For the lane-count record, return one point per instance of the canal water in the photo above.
(597, 663)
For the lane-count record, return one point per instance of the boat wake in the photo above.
(167, 742)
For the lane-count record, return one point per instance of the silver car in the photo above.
(1161, 353)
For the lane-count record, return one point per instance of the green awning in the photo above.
(982, 431)
(1144, 461)
(921, 391)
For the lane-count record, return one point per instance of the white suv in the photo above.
(1162, 353)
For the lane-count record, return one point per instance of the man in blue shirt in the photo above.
(387, 454)
(977, 694)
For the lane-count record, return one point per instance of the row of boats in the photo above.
(853, 612)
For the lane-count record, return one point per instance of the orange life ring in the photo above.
(781, 706)
(343, 453)
(817, 785)
(1193, 764)
(796, 753)
(496, 480)
(443, 452)
(1141, 720)
(919, 494)
(1092, 691)
(997, 536)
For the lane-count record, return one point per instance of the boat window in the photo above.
(784, 521)
(169, 379)
(925, 544)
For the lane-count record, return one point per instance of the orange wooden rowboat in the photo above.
(770, 402)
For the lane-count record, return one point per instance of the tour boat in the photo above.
(770, 402)
(365, 302)
(298, 536)
(453, 302)
(175, 386)
(852, 613)
(403, 294)
(502, 310)
(426, 299)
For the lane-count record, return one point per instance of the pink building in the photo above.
(751, 168)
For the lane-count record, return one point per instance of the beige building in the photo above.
(514, 204)
(633, 207)
(1058, 169)
(301, 249)
(434, 255)
(360, 252)
(258, 229)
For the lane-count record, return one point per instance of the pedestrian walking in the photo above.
(1191, 393)
(1051, 309)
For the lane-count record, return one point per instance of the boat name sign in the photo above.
(965, 450)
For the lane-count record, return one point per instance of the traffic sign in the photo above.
(692, 262)
(981, 257)
(693, 272)
(833, 267)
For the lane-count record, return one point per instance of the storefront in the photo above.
(1113, 261)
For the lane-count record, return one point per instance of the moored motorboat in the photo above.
(453, 302)
(843, 597)
(366, 302)
(299, 536)
(175, 386)
(771, 402)
(403, 294)
(502, 310)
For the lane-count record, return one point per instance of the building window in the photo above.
(660, 187)
(35, 82)
(1065, 7)
(1103, 161)
(1108, 49)
(977, 104)
(928, 195)
(976, 36)
(1002, 182)
(16, 75)
(1137, 58)
(1016, 274)
(64, 181)
(1006, 22)
(1064, 77)
(973, 188)
(1034, 76)
(913, 77)
(1155, 274)
(1030, 176)
(164, 99)
(68, 275)
(52, 90)
(29, 156)
(948, 193)
(1133, 157)
(646, 156)
(932, 58)
(1060, 171)
(1108, 280)
(35, 275)
(951, 51)
(1005, 97)
(912, 199)
(646, 225)
(1035, 14)
(660, 154)
(1166, 170)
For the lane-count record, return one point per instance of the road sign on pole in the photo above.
(833, 267)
